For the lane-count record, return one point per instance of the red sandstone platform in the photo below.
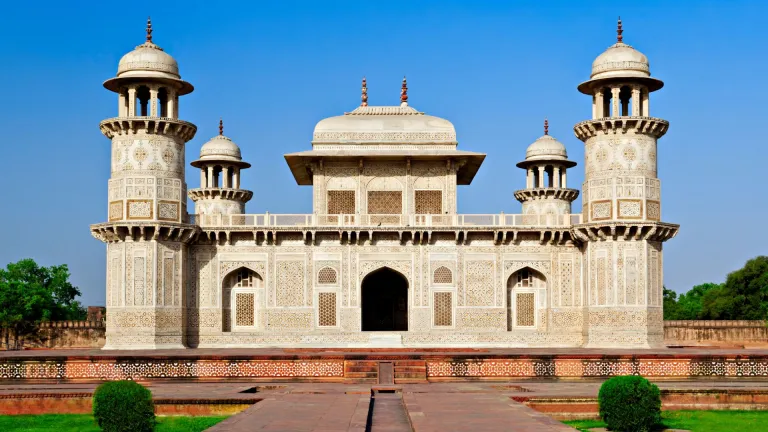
(397, 366)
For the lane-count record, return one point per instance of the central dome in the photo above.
(384, 124)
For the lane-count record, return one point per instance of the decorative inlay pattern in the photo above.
(326, 276)
(443, 309)
(630, 209)
(428, 202)
(139, 209)
(385, 202)
(480, 283)
(601, 210)
(653, 210)
(115, 210)
(244, 311)
(341, 202)
(442, 275)
(525, 310)
(168, 211)
(327, 309)
(290, 283)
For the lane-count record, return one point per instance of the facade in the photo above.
(384, 260)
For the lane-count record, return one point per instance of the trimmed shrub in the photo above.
(124, 406)
(630, 404)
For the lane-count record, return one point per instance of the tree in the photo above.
(743, 296)
(689, 305)
(30, 294)
(670, 304)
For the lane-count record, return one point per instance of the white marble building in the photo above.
(384, 259)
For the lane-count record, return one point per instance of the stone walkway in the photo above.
(476, 412)
(325, 407)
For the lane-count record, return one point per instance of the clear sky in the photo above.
(495, 69)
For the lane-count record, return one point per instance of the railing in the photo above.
(378, 220)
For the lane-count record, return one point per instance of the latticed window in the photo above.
(341, 202)
(326, 276)
(428, 202)
(244, 279)
(327, 309)
(443, 309)
(443, 275)
(524, 278)
(525, 310)
(244, 309)
(385, 202)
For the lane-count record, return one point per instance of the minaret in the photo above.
(546, 198)
(219, 192)
(621, 229)
(147, 230)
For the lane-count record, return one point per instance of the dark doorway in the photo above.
(385, 301)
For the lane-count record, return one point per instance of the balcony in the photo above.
(381, 220)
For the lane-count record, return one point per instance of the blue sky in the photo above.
(495, 69)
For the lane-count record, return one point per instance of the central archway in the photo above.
(385, 301)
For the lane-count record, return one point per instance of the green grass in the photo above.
(700, 421)
(86, 423)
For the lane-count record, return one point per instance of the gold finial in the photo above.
(365, 93)
(149, 29)
(619, 31)
(404, 93)
(546, 126)
(221, 126)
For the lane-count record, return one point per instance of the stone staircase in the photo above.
(410, 372)
(361, 371)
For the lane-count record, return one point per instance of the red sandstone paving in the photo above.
(384, 352)
(325, 407)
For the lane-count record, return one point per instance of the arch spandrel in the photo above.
(401, 267)
(227, 268)
(543, 267)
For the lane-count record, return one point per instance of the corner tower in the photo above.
(622, 229)
(546, 196)
(220, 164)
(147, 227)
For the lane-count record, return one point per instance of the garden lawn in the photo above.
(700, 421)
(86, 423)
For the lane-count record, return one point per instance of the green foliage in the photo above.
(743, 296)
(30, 294)
(86, 423)
(670, 304)
(630, 404)
(689, 305)
(699, 421)
(124, 406)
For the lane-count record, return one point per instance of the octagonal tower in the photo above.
(546, 198)
(220, 164)
(622, 229)
(147, 228)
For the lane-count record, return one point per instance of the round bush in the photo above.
(630, 404)
(123, 406)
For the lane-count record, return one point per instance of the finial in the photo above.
(546, 126)
(404, 93)
(149, 29)
(365, 93)
(221, 126)
(619, 31)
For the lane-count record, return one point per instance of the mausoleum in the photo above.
(384, 259)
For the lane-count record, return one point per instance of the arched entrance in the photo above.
(523, 290)
(385, 301)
